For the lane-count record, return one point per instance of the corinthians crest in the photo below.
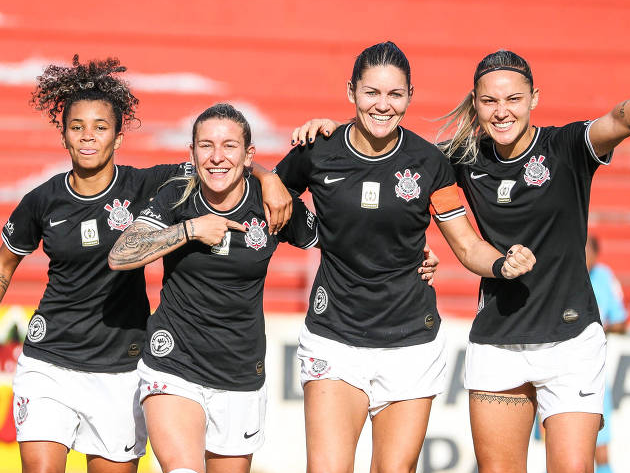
(407, 187)
(119, 217)
(255, 237)
(22, 412)
(535, 173)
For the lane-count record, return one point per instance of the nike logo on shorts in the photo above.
(247, 436)
(128, 449)
(328, 180)
(54, 224)
(476, 176)
(585, 394)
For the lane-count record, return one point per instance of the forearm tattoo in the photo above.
(143, 242)
(192, 229)
(499, 398)
(4, 284)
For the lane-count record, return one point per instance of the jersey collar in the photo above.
(91, 198)
(371, 159)
(203, 201)
(520, 156)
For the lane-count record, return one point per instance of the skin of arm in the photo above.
(611, 129)
(478, 256)
(8, 263)
(277, 201)
(141, 244)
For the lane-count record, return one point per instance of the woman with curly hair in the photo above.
(76, 384)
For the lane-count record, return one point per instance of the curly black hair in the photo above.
(59, 87)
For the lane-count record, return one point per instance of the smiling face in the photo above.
(381, 97)
(220, 156)
(503, 101)
(90, 135)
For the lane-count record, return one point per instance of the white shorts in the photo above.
(568, 376)
(92, 413)
(235, 420)
(386, 375)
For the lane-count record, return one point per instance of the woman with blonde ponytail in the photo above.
(536, 344)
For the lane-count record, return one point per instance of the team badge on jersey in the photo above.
(9, 227)
(370, 195)
(504, 190)
(223, 248)
(407, 187)
(162, 343)
(36, 328)
(119, 217)
(89, 233)
(321, 300)
(255, 237)
(155, 388)
(535, 173)
(21, 413)
(318, 367)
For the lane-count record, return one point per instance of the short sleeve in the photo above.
(575, 139)
(301, 230)
(161, 211)
(294, 169)
(23, 231)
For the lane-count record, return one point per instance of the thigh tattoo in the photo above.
(499, 398)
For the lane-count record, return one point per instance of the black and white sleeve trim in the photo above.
(450, 215)
(152, 222)
(605, 160)
(15, 250)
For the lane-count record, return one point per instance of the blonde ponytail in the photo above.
(467, 132)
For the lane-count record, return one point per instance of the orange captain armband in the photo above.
(445, 204)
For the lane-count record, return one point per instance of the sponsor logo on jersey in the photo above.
(429, 321)
(321, 300)
(223, 248)
(407, 187)
(370, 195)
(328, 180)
(535, 173)
(504, 190)
(22, 410)
(57, 222)
(318, 367)
(36, 328)
(310, 219)
(155, 388)
(162, 343)
(255, 237)
(9, 227)
(89, 233)
(133, 350)
(149, 213)
(570, 316)
(260, 368)
(477, 176)
(119, 217)
(481, 304)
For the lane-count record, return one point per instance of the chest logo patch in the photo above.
(504, 190)
(36, 328)
(370, 195)
(536, 174)
(89, 233)
(255, 237)
(407, 187)
(119, 217)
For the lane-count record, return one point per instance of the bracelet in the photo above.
(496, 268)
(186, 232)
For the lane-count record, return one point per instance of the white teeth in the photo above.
(381, 118)
(218, 170)
(504, 125)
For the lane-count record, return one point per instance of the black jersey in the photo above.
(373, 213)
(90, 318)
(539, 199)
(209, 327)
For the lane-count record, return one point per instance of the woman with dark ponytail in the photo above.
(372, 343)
(536, 343)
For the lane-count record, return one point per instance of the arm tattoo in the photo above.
(142, 243)
(490, 397)
(622, 110)
(4, 284)
(192, 229)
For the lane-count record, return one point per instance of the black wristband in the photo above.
(186, 232)
(496, 268)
